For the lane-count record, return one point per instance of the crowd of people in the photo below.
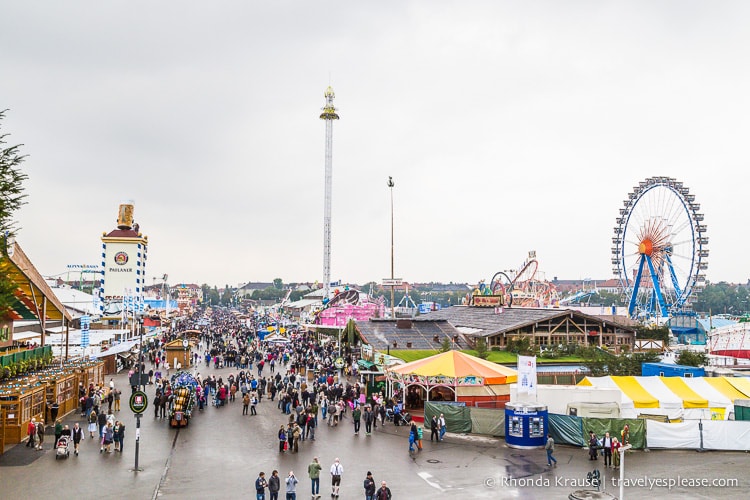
(299, 376)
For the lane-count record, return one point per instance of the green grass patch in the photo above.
(410, 355)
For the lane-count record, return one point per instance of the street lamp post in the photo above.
(391, 184)
(141, 387)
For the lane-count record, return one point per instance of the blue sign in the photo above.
(85, 322)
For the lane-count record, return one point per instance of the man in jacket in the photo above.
(369, 416)
(607, 444)
(313, 470)
(274, 485)
(384, 492)
(434, 428)
(356, 416)
(369, 485)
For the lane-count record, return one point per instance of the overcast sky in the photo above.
(507, 127)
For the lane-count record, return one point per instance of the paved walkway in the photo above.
(220, 454)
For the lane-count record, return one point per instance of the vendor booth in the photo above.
(178, 351)
(452, 376)
(62, 391)
(21, 400)
(90, 372)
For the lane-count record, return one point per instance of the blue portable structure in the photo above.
(670, 370)
(526, 425)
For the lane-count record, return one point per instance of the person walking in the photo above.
(93, 417)
(108, 438)
(291, 486)
(434, 429)
(356, 416)
(274, 485)
(58, 431)
(102, 422)
(412, 436)
(40, 434)
(441, 426)
(550, 447)
(77, 437)
(369, 485)
(313, 470)
(384, 492)
(245, 403)
(368, 416)
(336, 472)
(31, 431)
(593, 445)
(120, 435)
(260, 486)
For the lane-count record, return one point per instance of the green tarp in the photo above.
(488, 421)
(457, 418)
(566, 429)
(614, 426)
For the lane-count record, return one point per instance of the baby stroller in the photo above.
(217, 401)
(402, 418)
(62, 449)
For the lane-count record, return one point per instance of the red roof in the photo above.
(122, 233)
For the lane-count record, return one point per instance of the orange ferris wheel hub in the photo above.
(646, 247)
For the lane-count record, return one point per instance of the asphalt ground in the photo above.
(221, 452)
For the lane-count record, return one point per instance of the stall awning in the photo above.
(34, 298)
(26, 336)
(457, 365)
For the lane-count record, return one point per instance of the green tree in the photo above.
(480, 345)
(445, 345)
(226, 296)
(655, 333)
(278, 283)
(690, 358)
(520, 345)
(11, 199)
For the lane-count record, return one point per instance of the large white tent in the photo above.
(674, 397)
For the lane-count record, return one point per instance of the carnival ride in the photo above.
(524, 287)
(660, 248)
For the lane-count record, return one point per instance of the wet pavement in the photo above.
(221, 452)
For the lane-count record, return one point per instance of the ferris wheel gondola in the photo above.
(660, 248)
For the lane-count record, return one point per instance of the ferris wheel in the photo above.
(660, 248)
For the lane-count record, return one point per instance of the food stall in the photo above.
(21, 400)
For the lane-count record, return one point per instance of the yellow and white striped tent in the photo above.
(675, 397)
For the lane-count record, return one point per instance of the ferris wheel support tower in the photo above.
(329, 114)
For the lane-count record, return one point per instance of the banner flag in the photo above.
(527, 375)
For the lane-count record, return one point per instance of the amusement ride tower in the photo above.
(329, 114)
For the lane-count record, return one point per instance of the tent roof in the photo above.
(668, 392)
(34, 297)
(456, 364)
